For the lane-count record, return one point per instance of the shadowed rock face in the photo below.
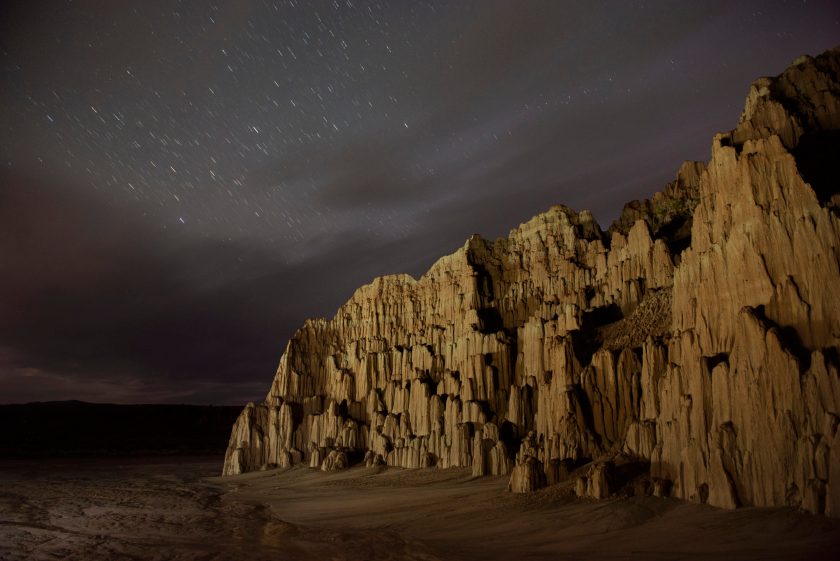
(700, 334)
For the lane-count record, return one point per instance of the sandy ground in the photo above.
(176, 509)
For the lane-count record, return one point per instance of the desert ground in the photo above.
(178, 508)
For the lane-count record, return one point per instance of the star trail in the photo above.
(183, 183)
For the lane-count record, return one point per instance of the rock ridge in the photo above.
(698, 337)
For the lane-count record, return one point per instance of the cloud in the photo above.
(476, 117)
(91, 291)
(97, 302)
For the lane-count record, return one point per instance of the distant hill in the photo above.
(76, 428)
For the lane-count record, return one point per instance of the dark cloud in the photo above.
(183, 183)
(97, 304)
(90, 292)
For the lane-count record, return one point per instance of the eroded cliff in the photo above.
(699, 337)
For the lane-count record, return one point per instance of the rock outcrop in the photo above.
(700, 334)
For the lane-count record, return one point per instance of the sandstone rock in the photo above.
(598, 482)
(373, 459)
(582, 486)
(660, 487)
(336, 460)
(700, 334)
(527, 476)
(558, 470)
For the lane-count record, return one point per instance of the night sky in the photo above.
(183, 183)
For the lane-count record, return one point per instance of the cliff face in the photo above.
(699, 337)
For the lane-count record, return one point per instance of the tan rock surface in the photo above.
(700, 334)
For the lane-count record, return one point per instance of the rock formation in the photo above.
(699, 335)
